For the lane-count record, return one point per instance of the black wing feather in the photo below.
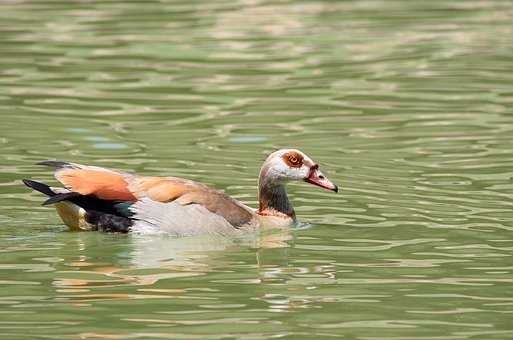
(57, 164)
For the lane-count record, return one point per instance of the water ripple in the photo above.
(406, 105)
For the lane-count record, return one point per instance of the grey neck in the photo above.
(273, 198)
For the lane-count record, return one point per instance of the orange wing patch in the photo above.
(159, 189)
(102, 184)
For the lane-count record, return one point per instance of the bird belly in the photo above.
(73, 216)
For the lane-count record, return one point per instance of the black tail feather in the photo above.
(108, 222)
(61, 197)
(38, 186)
(57, 164)
(102, 214)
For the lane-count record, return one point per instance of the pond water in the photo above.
(407, 105)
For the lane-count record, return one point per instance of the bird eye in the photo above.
(293, 159)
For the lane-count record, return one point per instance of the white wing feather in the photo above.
(175, 219)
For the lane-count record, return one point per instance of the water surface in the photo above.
(405, 104)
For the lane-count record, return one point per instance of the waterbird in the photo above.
(96, 198)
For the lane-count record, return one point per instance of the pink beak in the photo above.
(316, 177)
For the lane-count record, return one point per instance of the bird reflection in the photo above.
(144, 260)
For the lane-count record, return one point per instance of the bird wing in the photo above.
(179, 195)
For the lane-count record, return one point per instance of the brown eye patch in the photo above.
(293, 159)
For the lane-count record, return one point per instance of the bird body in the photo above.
(96, 198)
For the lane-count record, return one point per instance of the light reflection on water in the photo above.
(406, 105)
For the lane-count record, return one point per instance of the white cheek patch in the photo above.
(277, 168)
(296, 173)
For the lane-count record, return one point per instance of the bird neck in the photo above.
(272, 196)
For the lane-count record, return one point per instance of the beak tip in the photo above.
(335, 189)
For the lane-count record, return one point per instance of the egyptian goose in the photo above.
(95, 198)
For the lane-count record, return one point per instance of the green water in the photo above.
(407, 105)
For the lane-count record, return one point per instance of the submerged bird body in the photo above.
(95, 198)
